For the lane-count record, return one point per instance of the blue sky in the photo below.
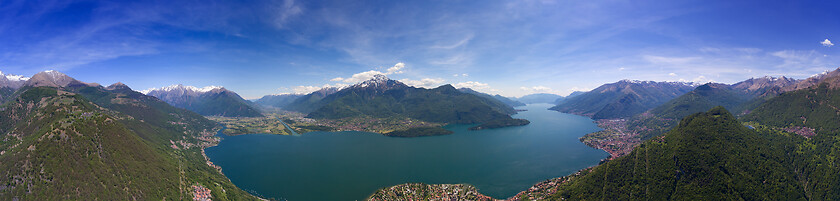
(513, 48)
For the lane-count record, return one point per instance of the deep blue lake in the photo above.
(352, 165)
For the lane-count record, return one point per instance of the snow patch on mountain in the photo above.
(14, 78)
(182, 88)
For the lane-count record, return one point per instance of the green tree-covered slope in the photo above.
(709, 156)
(443, 104)
(59, 145)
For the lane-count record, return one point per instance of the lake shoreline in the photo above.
(541, 124)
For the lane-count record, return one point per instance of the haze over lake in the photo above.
(352, 165)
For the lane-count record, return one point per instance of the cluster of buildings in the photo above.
(615, 139)
(545, 189)
(200, 193)
(434, 192)
(803, 131)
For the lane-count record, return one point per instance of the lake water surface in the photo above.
(352, 165)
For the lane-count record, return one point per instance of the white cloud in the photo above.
(538, 89)
(462, 75)
(472, 85)
(699, 79)
(310, 89)
(396, 69)
(574, 89)
(305, 89)
(672, 74)
(827, 43)
(359, 77)
(425, 82)
(621, 69)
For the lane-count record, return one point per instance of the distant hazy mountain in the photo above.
(312, 101)
(505, 100)
(12, 81)
(95, 143)
(815, 106)
(573, 94)
(703, 98)
(278, 101)
(622, 99)
(831, 78)
(739, 97)
(383, 97)
(539, 98)
(208, 101)
(8, 84)
(766, 85)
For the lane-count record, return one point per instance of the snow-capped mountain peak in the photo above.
(629, 81)
(13, 81)
(14, 78)
(378, 81)
(180, 88)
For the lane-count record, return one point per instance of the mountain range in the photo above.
(785, 147)
(381, 97)
(310, 102)
(540, 98)
(277, 101)
(66, 139)
(208, 101)
(508, 101)
(711, 156)
(9, 83)
(622, 99)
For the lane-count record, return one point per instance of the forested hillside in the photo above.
(709, 156)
